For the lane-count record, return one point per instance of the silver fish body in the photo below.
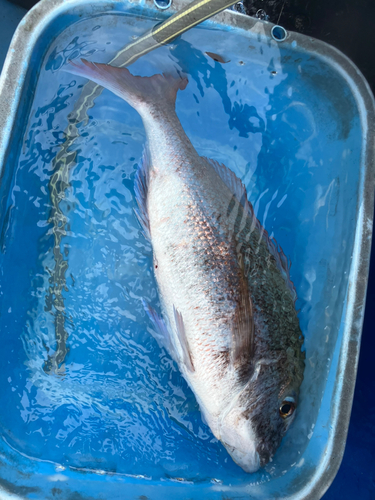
(228, 304)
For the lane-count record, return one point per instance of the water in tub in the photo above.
(85, 383)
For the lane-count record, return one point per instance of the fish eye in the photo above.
(287, 408)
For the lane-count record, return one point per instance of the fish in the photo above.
(228, 303)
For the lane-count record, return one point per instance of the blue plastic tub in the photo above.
(92, 407)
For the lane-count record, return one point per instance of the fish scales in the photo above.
(195, 265)
(229, 317)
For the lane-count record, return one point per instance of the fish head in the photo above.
(254, 423)
(239, 439)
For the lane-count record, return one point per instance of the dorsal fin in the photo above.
(239, 191)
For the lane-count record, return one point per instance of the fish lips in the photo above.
(239, 438)
(249, 461)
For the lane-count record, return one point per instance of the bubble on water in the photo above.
(100, 472)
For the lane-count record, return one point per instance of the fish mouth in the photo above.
(248, 460)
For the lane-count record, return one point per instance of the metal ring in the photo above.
(278, 33)
(163, 4)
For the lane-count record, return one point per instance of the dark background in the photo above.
(349, 25)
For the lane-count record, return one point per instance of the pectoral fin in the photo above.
(243, 326)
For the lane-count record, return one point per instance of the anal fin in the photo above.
(141, 189)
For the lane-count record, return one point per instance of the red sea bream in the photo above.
(228, 305)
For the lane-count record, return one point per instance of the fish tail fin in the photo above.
(138, 91)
